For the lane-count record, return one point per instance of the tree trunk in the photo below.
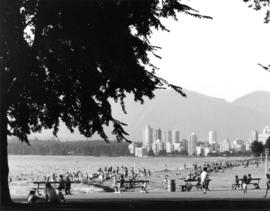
(4, 187)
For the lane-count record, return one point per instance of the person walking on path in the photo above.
(267, 184)
(203, 179)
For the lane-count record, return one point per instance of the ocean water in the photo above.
(24, 169)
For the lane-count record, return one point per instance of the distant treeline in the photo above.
(52, 147)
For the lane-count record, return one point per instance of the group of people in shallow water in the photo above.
(108, 173)
(118, 175)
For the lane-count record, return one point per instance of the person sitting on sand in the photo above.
(32, 198)
(50, 194)
(61, 196)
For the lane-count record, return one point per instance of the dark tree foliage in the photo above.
(80, 55)
(256, 148)
(261, 5)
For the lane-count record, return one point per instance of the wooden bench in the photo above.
(132, 184)
(254, 181)
(39, 183)
(188, 186)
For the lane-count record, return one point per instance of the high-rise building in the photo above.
(131, 148)
(140, 152)
(176, 136)
(239, 145)
(159, 135)
(192, 142)
(199, 150)
(212, 137)
(155, 135)
(176, 147)
(184, 145)
(155, 148)
(169, 137)
(264, 135)
(148, 137)
(254, 136)
(225, 145)
(169, 147)
(247, 145)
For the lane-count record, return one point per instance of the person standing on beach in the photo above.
(203, 179)
(67, 186)
(267, 184)
(61, 183)
(244, 184)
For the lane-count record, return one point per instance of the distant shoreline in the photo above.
(131, 156)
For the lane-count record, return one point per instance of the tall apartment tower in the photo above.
(176, 136)
(265, 134)
(192, 142)
(169, 137)
(159, 134)
(155, 135)
(254, 136)
(148, 137)
(225, 145)
(212, 137)
(184, 145)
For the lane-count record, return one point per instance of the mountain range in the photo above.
(196, 113)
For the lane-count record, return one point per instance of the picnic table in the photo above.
(132, 183)
(252, 181)
(190, 184)
(39, 183)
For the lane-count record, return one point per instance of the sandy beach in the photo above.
(220, 188)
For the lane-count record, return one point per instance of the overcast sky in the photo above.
(216, 57)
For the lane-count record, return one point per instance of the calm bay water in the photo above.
(26, 168)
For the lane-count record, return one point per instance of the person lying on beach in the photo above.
(267, 184)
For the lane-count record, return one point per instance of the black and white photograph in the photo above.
(134, 105)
